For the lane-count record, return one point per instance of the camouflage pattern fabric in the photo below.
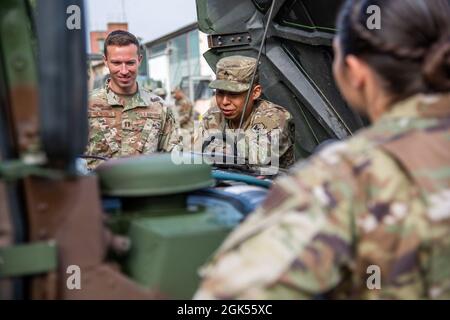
(382, 198)
(160, 92)
(122, 126)
(184, 113)
(234, 74)
(265, 118)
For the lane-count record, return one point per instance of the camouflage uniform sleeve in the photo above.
(101, 140)
(273, 134)
(286, 153)
(170, 132)
(285, 134)
(294, 246)
(207, 126)
(92, 147)
(199, 132)
(184, 112)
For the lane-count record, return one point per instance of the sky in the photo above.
(148, 19)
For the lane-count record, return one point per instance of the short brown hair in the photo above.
(121, 38)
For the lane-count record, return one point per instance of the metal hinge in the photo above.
(229, 40)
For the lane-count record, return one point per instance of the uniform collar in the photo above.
(141, 98)
(420, 106)
(249, 120)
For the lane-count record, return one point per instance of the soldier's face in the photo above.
(123, 63)
(232, 104)
(178, 95)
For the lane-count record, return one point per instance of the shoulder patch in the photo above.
(266, 123)
(258, 127)
(148, 98)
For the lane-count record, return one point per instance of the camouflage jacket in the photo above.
(126, 126)
(185, 113)
(368, 218)
(266, 119)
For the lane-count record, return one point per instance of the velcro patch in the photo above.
(101, 114)
(151, 115)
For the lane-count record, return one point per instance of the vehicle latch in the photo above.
(229, 40)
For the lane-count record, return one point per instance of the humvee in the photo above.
(138, 228)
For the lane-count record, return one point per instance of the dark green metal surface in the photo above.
(168, 251)
(133, 209)
(17, 44)
(30, 259)
(17, 169)
(152, 176)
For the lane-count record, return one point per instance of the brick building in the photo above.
(97, 38)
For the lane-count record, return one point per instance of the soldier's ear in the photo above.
(257, 90)
(105, 59)
(356, 71)
(140, 58)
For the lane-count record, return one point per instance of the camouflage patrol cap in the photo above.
(234, 73)
(160, 92)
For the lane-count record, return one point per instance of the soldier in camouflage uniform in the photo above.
(379, 202)
(184, 109)
(161, 92)
(262, 118)
(124, 119)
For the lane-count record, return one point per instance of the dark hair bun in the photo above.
(436, 67)
(410, 53)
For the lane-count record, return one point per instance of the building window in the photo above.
(158, 49)
(100, 43)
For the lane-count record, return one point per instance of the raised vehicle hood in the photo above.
(295, 68)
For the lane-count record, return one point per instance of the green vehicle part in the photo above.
(170, 239)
